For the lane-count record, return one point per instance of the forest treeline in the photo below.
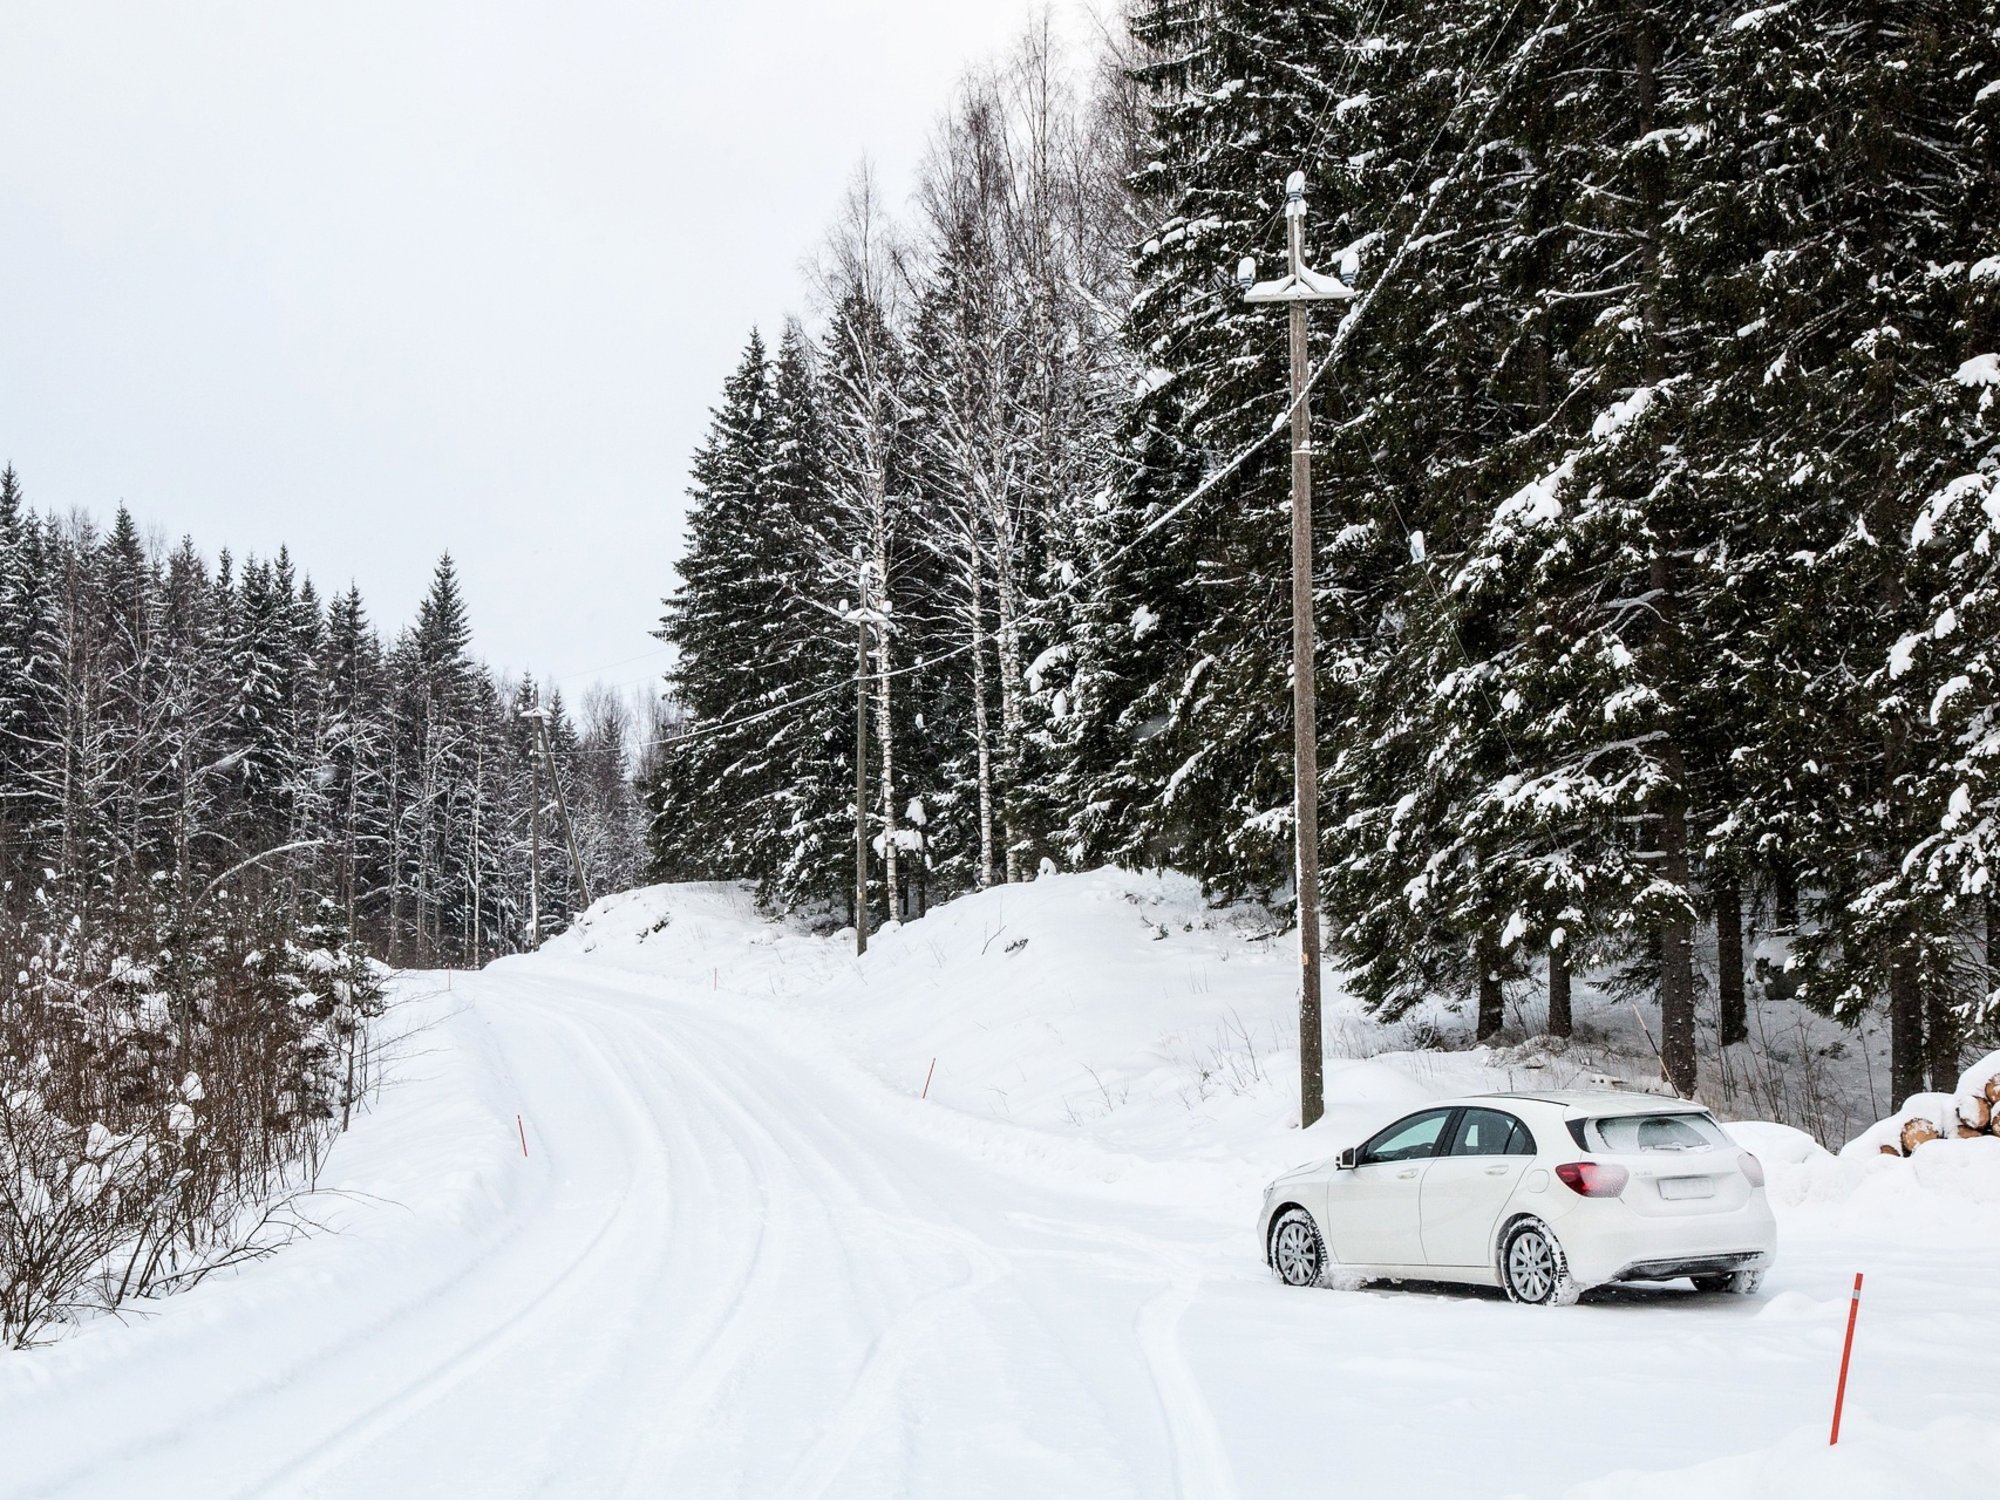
(1656, 474)
(225, 801)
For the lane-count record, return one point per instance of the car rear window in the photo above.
(1669, 1130)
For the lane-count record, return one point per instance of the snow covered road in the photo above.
(721, 1278)
(733, 1263)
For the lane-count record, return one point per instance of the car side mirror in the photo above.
(1345, 1161)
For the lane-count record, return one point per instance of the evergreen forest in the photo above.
(228, 802)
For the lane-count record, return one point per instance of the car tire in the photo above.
(1734, 1283)
(1533, 1268)
(1297, 1252)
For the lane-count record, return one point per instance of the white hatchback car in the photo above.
(1543, 1195)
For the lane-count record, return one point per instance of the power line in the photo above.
(610, 666)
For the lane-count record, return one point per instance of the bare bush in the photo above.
(168, 1083)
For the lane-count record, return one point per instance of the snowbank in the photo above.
(1774, 1144)
(1946, 1188)
(1949, 1192)
(1872, 1462)
(1112, 1008)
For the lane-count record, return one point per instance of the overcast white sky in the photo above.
(384, 279)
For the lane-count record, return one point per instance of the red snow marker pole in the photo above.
(1846, 1349)
(927, 1080)
(524, 1135)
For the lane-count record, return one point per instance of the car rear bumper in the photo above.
(1625, 1246)
(1697, 1265)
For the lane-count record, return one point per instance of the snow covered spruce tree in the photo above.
(1180, 660)
(757, 780)
(813, 651)
(1445, 400)
(1615, 537)
(1633, 670)
(1869, 172)
(1906, 397)
(1950, 662)
(714, 805)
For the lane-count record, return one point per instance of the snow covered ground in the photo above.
(741, 1256)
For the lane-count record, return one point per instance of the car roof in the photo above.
(1588, 1101)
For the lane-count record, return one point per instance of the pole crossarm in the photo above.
(1303, 285)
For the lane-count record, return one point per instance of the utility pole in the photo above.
(1299, 287)
(861, 759)
(535, 851)
(541, 717)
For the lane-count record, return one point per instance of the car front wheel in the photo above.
(1298, 1254)
(1532, 1266)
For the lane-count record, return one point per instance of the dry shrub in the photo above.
(169, 1083)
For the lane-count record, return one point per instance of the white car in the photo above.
(1543, 1195)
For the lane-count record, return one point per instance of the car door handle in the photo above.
(1496, 1171)
(1411, 1173)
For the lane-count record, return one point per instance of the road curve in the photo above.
(731, 1277)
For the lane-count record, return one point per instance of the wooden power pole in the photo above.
(534, 851)
(541, 718)
(1299, 287)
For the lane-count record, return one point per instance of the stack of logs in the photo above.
(1968, 1114)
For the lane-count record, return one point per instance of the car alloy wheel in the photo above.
(1297, 1253)
(1532, 1267)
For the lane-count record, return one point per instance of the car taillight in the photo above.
(1752, 1168)
(1593, 1179)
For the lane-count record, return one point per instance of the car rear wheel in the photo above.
(1298, 1254)
(1532, 1266)
(1740, 1283)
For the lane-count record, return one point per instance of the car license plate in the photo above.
(1687, 1187)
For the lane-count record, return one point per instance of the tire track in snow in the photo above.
(1201, 1466)
(908, 1216)
(753, 1326)
(1201, 1462)
(803, 1155)
(408, 1401)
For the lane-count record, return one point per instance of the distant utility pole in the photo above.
(861, 758)
(535, 851)
(1299, 287)
(541, 719)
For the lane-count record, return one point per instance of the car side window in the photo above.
(1488, 1132)
(1406, 1140)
